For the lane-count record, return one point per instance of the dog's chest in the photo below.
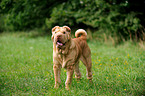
(66, 60)
(61, 58)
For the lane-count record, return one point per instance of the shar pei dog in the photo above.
(67, 52)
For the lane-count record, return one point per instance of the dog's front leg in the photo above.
(57, 69)
(70, 70)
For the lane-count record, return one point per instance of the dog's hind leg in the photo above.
(77, 71)
(88, 63)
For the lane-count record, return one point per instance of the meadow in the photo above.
(26, 68)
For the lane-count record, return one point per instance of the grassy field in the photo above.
(26, 68)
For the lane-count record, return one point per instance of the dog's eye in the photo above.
(63, 32)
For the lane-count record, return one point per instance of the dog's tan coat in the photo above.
(67, 52)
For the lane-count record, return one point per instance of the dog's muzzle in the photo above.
(59, 43)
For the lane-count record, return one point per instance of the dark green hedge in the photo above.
(114, 17)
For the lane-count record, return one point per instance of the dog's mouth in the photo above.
(59, 43)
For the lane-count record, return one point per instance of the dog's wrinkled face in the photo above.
(61, 35)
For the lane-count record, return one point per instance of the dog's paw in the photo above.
(56, 86)
(90, 81)
(67, 88)
(78, 78)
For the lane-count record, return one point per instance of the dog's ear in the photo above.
(53, 29)
(67, 28)
(52, 37)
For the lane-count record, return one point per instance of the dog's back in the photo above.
(81, 37)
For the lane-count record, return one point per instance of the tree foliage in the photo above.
(114, 17)
(110, 16)
(26, 14)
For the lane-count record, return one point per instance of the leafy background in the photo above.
(123, 19)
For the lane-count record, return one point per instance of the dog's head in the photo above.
(61, 35)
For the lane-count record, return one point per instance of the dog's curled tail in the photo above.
(81, 33)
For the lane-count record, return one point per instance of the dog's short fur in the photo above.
(67, 52)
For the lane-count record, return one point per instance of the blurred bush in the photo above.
(26, 14)
(117, 18)
(110, 17)
(1, 23)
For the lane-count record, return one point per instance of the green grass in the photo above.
(26, 68)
